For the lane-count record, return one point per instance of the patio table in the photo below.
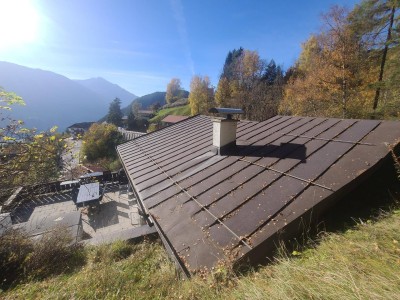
(88, 193)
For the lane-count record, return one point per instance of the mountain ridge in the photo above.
(107, 89)
(52, 99)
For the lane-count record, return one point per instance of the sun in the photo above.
(19, 22)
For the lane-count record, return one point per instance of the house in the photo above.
(171, 119)
(217, 189)
(146, 114)
(79, 128)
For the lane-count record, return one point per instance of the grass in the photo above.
(180, 110)
(358, 260)
(361, 263)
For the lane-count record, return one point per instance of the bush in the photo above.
(110, 164)
(152, 127)
(100, 141)
(54, 253)
(115, 165)
(14, 249)
(22, 258)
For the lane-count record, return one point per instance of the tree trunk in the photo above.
(385, 50)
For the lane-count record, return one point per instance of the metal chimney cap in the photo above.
(224, 110)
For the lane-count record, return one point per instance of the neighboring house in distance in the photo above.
(79, 128)
(219, 189)
(146, 114)
(171, 119)
(125, 121)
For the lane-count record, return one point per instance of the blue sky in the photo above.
(141, 45)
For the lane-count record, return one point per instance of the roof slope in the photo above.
(209, 207)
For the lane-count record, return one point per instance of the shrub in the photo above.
(54, 253)
(110, 164)
(100, 141)
(115, 165)
(22, 258)
(152, 127)
(14, 249)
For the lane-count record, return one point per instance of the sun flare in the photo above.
(18, 23)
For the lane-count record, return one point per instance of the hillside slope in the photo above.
(363, 263)
(147, 100)
(107, 90)
(179, 110)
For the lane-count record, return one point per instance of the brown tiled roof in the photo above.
(209, 207)
(174, 119)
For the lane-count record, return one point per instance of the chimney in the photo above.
(224, 129)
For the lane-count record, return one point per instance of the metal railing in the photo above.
(24, 193)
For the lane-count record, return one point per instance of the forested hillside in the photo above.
(349, 69)
(145, 101)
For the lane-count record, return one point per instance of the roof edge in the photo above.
(158, 130)
(168, 247)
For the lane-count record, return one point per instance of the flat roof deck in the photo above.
(210, 207)
(117, 212)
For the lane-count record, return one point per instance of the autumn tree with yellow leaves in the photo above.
(26, 156)
(351, 68)
(201, 97)
(249, 83)
(174, 91)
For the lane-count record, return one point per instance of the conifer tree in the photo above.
(377, 23)
(114, 113)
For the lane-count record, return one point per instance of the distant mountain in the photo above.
(52, 99)
(150, 99)
(108, 90)
(146, 101)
